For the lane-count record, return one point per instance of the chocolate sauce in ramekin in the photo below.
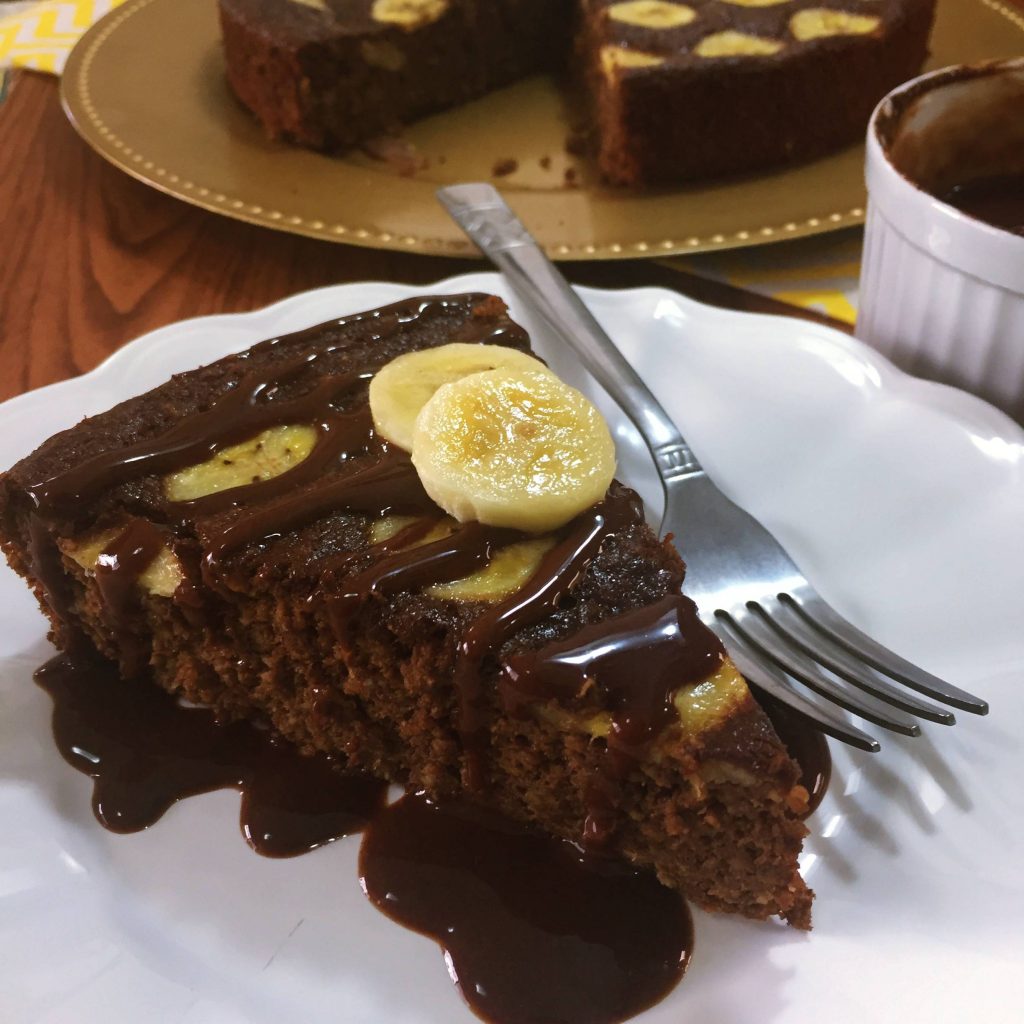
(997, 200)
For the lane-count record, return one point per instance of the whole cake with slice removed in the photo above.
(675, 91)
(395, 538)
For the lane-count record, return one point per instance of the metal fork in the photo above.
(776, 626)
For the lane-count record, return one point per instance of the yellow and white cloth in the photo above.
(39, 34)
(817, 273)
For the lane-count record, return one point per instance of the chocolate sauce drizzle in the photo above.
(533, 929)
(349, 469)
(557, 575)
(602, 660)
(389, 485)
(466, 549)
(118, 569)
(254, 404)
(145, 751)
(603, 656)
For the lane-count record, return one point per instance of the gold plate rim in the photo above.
(89, 122)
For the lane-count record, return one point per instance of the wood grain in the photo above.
(92, 258)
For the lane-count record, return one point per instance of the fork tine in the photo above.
(801, 668)
(769, 679)
(793, 629)
(825, 620)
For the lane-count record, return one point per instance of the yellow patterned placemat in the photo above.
(40, 35)
(819, 273)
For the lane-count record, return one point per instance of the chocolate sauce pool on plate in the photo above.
(145, 751)
(534, 930)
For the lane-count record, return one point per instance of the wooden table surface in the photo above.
(91, 258)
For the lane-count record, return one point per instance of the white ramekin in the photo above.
(942, 294)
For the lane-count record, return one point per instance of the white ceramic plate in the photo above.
(903, 501)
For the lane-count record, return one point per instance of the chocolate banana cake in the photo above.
(676, 91)
(244, 536)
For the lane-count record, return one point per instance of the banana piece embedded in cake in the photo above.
(615, 57)
(507, 572)
(820, 23)
(736, 44)
(161, 578)
(270, 453)
(408, 14)
(651, 13)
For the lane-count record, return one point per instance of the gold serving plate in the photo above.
(145, 88)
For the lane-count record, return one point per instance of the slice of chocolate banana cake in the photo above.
(395, 538)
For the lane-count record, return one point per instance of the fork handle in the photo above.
(487, 219)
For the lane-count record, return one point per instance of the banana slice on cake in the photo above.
(512, 447)
(401, 388)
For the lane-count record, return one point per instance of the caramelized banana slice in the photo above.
(401, 388)
(513, 447)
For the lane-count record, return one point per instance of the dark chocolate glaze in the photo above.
(389, 485)
(251, 406)
(602, 660)
(533, 928)
(120, 565)
(998, 201)
(145, 751)
(556, 576)
(321, 483)
(468, 548)
(675, 651)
